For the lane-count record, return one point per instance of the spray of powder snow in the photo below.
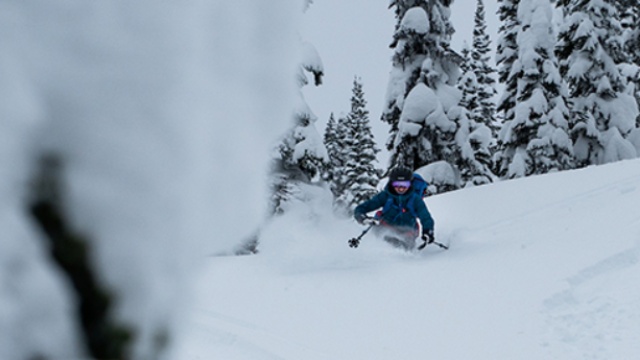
(309, 237)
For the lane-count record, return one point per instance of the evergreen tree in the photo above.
(476, 125)
(506, 55)
(633, 40)
(473, 137)
(332, 144)
(590, 52)
(466, 57)
(330, 137)
(335, 140)
(468, 82)
(424, 71)
(360, 174)
(630, 22)
(479, 64)
(535, 141)
(301, 157)
(473, 141)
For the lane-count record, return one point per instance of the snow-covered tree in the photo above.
(476, 126)
(465, 53)
(421, 85)
(332, 142)
(468, 81)
(359, 154)
(473, 142)
(590, 50)
(506, 55)
(336, 140)
(124, 137)
(633, 39)
(536, 140)
(630, 69)
(479, 63)
(473, 138)
(630, 22)
(301, 156)
(630, 73)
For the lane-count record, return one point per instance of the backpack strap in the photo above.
(411, 204)
(387, 206)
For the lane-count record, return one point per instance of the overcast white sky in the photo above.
(352, 38)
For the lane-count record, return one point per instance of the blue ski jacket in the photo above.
(398, 210)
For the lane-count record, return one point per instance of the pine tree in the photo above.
(475, 123)
(479, 64)
(330, 137)
(424, 68)
(630, 22)
(301, 157)
(633, 40)
(473, 138)
(535, 141)
(465, 53)
(506, 55)
(468, 82)
(590, 51)
(360, 174)
(472, 143)
(332, 144)
(335, 140)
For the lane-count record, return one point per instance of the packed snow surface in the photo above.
(543, 267)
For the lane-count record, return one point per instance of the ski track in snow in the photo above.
(591, 314)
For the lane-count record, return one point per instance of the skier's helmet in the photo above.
(400, 173)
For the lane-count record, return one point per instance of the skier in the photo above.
(401, 203)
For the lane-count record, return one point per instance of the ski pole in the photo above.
(356, 240)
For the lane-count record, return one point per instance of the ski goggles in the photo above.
(401, 184)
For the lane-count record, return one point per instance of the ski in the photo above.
(424, 244)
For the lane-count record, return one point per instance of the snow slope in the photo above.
(539, 268)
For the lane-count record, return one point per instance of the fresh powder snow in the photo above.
(544, 267)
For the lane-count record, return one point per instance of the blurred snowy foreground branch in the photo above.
(134, 137)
